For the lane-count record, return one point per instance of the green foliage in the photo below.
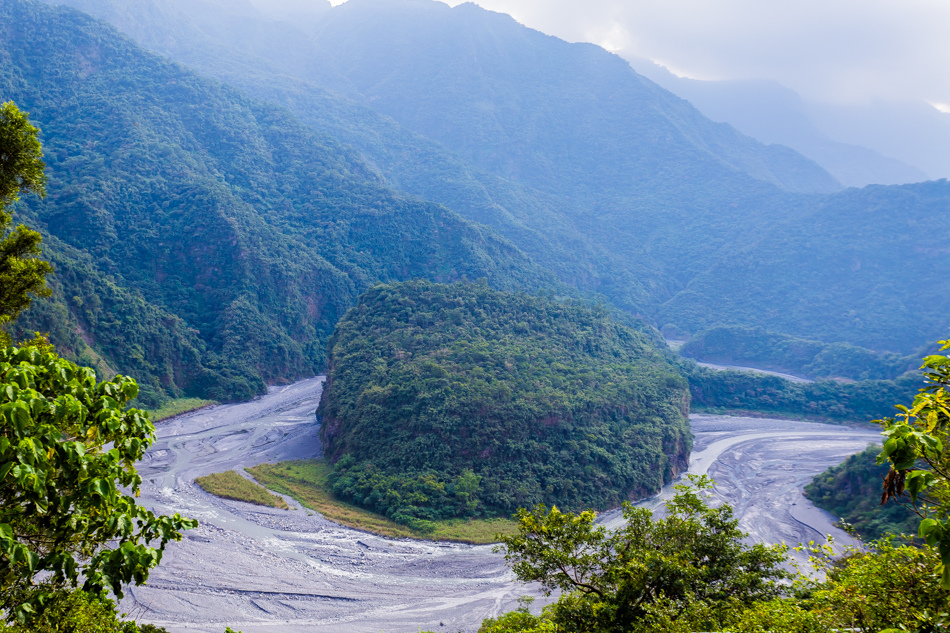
(21, 157)
(67, 444)
(458, 400)
(920, 434)
(883, 586)
(520, 621)
(851, 491)
(79, 612)
(205, 243)
(780, 615)
(779, 352)
(21, 171)
(718, 390)
(648, 574)
(691, 571)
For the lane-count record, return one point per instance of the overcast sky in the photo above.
(827, 50)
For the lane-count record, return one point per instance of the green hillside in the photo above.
(756, 347)
(612, 184)
(827, 400)
(276, 64)
(459, 400)
(205, 243)
(862, 266)
(852, 491)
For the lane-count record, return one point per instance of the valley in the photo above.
(261, 569)
(423, 265)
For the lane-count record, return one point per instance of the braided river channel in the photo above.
(262, 570)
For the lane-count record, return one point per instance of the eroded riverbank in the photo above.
(259, 569)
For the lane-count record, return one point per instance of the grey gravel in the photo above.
(266, 570)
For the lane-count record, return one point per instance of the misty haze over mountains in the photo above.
(836, 137)
(882, 143)
(426, 266)
(528, 161)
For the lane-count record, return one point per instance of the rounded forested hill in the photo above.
(459, 400)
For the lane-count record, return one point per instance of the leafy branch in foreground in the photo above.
(67, 443)
(918, 436)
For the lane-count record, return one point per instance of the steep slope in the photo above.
(865, 266)
(277, 62)
(772, 113)
(852, 492)
(622, 189)
(533, 108)
(241, 231)
(458, 400)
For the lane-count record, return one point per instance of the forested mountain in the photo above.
(772, 113)
(756, 347)
(205, 243)
(864, 266)
(565, 118)
(277, 62)
(459, 400)
(600, 176)
(852, 491)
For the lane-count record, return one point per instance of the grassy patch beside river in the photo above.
(177, 407)
(231, 485)
(306, 481)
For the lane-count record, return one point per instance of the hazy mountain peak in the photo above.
(285, 9)
(773, 113)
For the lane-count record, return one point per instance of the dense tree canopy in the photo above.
(648, 571)
(692, 570)
(456, 400)
(206, 243)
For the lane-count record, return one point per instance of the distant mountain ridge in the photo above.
(206, 243)
(772, 113)
(530, 107)
(672, 232)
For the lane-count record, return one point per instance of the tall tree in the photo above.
(692, 563)
(67, 443)
(21, 172)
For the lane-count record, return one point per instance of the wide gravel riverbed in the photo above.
(261, 570)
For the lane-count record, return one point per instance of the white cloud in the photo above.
(827, 50)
